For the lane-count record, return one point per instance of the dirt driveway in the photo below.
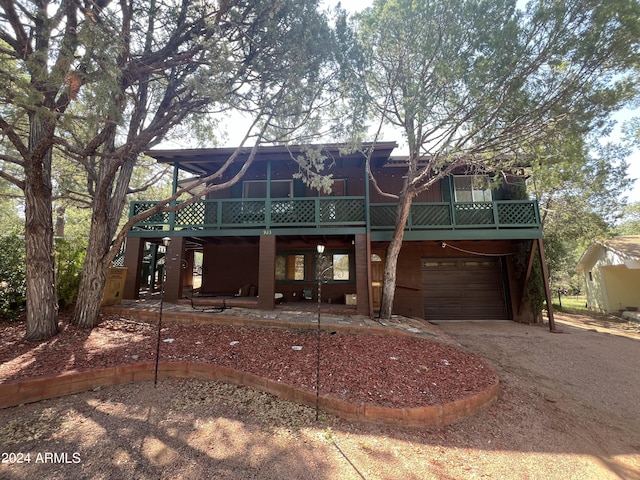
(569, 409)
(585, 381)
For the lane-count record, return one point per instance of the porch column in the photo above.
(187, 272)
(133, 262)
(173, 265)
(267, 272)
(362, 274)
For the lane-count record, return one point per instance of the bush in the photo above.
(13, 287)
(13, 290)
(70, 256)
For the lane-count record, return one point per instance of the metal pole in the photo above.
(165, 241)
(320, 249)
(319, 274)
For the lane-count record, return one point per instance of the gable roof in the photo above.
(627, 247)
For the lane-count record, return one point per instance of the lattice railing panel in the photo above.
(383, 215)
(154, 222)
(190, 215)
(292, 211)
(480, 213)
(426, 215)
(243, 212)
(517, 214)
(341, 210)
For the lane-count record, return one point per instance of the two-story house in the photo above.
(259, 237)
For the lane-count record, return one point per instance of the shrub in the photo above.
(69, 261)
(12, 276)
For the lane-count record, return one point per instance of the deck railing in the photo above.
(257, 213)
(336, 212)
(463, 215)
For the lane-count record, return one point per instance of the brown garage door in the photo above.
(463, 289)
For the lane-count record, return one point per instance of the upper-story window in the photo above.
(258, 189)
(472, 188)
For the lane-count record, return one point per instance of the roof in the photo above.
(627, 247)
(205, 160)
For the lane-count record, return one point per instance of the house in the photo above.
(258, 238)
(611, 272)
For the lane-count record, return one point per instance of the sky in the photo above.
(357, 5)
(633, 160)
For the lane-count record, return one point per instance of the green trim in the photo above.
(518, 219)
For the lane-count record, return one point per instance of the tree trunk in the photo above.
(106, 212)
(94, 273)
(42, 301)
(393, 251)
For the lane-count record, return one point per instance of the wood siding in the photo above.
(228, 265)
(391, 180)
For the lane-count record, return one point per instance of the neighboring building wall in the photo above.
(595, 290)
(622, 287)
(610, 286)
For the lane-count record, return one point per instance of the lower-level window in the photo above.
(290, 267)
(340, 262)
(303, 267)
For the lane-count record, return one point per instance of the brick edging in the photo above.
(28, 391)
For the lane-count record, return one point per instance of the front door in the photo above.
(377, 274)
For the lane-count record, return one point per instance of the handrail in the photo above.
(337, 212)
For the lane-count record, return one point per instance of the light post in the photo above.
(320, 250)
(165, 241)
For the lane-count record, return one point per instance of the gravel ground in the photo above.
(568, 409)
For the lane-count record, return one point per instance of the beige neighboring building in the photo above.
(611, 271)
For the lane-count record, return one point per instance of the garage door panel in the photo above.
(465, 288)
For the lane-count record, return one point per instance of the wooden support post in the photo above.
(547, 290)
(267, 272)
(133, 261)
(532, 256)
(363, 267)
(174, 271)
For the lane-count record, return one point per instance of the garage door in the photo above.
(463, 289)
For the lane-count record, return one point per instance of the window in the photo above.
(336, 267)
(290, 267)
(297, 267)
(340, 262)
(258, 189)
(472, 188)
